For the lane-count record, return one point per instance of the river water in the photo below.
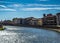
(15, 34)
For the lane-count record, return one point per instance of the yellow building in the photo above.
(39, 22)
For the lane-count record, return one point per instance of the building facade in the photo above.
(40, 22)
(49, 20)
(18, 20)
(58, 19)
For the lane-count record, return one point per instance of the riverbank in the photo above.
(1, 28)
(56, 29)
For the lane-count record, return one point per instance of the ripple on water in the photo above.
(24, 35)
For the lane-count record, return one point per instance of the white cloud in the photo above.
(16, 5)
(25, 7)
(3, 6)
(38, 9)
(47, 5)
(7, 9)
(32, 9)
(40, 5)
(43, 0)
(30, 5)
(5, 2)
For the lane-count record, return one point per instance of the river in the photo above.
(16, 34)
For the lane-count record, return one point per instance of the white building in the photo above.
(58, 19)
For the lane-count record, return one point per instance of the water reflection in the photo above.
(14, 34)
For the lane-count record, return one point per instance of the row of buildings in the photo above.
(28, 21)
(24, 21)
(48, 20)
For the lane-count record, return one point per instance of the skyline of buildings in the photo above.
(48, 20)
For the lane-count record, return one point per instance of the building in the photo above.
(1, 26)
(36, 22)
(19, 21)
(16, 20)
(33, 22)
(58, 19)
(40, 21)
(7, 22)
(49, 20)
(29, 20)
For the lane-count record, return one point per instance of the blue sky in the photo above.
(27, 8)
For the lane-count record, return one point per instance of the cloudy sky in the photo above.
(27, 8)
